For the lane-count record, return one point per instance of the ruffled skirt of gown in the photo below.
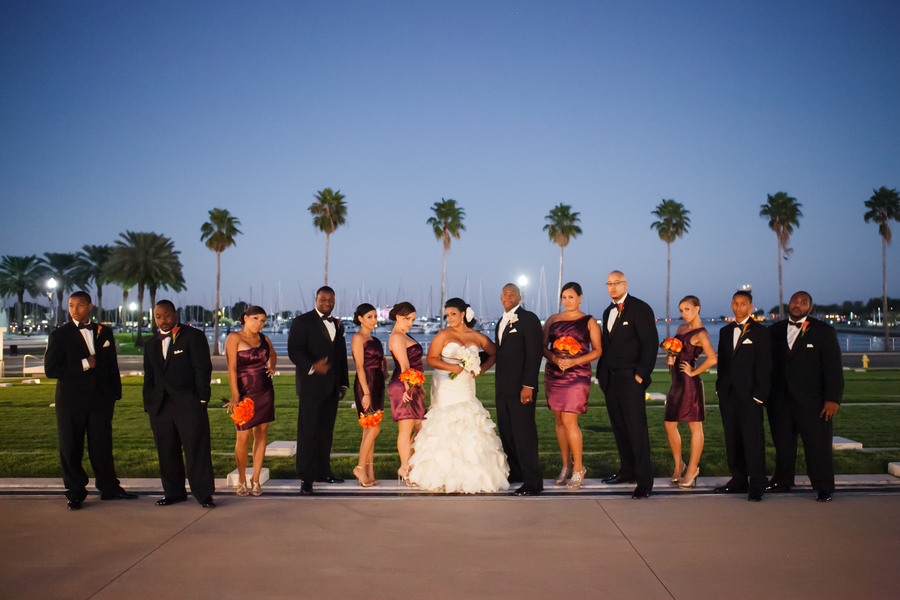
(457, 449)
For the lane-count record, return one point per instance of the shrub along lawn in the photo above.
(28, 442)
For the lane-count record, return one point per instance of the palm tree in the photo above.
(673, 223)
(218, 233)
(63, 267)
(561, 227)
(329, 212)
(784, 214)
(91, 261)
(883, 206)
(446, 222)
(20, 275)
(145, 260)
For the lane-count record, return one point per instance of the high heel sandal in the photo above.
(676, 480)
(242, 489)
(563, 475)
(403, 475)
(255, 488)
(577, 479)
(692, 483)
(374, 481)
(361, 482)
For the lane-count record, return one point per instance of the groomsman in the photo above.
(742, 385)
(317, 347)
(630, 342)
(519, 352)
(81, 356)
(807, 387)
(177, 369)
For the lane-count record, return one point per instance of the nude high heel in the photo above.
(403, 475)
(692, 483)
(676, 480)
(361, 482)
(563, 475)
(577, 479)
(374, 481)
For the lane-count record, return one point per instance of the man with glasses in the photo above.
(629, 341)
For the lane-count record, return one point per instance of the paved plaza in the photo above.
(341, 544)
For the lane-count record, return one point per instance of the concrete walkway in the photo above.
(688, 546)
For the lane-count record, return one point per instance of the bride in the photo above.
(457, 449)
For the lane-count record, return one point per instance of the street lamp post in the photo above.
(51, 286)
(523, 281)
(132, 307)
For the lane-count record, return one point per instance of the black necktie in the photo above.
(86, 326)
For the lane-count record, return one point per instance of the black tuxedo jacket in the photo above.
(309, 342)
(746, 369)
(812, 371)
(630, 348)
(65, 350)
(183, 375)
(519, 354)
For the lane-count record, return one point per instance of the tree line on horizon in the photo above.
(150, 262)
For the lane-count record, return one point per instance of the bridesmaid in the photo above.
(368, 389)
(251, 365)
(407, 403)
(685, 401)
(567, 378)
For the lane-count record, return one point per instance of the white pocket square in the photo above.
(106, 343)
(747, 342)
(625, 323)
(179, 351)
(809, 345)
(513, 331)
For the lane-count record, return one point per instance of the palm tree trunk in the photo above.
(218, 282)
(884, 292)
(559, 287)
(60, 320)
(19, 311)
(100, 301)
(140, 324)
(668, 281)
(780, 292)
(327, 238)
(443, 275)
(124, 308)
(152, 305)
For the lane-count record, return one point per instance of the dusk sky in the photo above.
(143, 116)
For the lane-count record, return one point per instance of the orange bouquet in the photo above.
(672, 345)
(243, 412)
(412, 377)
(567, 344)
(367, 419)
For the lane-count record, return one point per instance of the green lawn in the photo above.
(28, 443)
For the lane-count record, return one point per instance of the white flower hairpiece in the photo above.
(470, 314)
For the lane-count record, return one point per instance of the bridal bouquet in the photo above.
(469, 360)
(567, 344)
(243, 412)
(672, 346)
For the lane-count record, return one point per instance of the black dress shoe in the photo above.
(640, 493)
(617, 479)
(74, 504)
(170, 501)
(306, 487)
(755, 496)
(330, 479)
(730, 489)
(823, 497)
(777, 487)
(120, 495)
(208, 503)
(526, 491)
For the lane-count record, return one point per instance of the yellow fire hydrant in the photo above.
(865, 362)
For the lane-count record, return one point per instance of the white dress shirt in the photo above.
(88, 336)
(738, 330)
(504, 321)
(165, 343)
(793, 332)
(332, 331)
(614, 314)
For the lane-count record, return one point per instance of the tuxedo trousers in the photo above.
(628, 418)
(73, 421)
(315, 432)
(518, 434)
(745, 441)
(787, 421)
(176, 428)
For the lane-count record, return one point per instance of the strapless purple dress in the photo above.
(685, 402)
(373, 356)
(254, 382)
(415, 408)
(568, 391)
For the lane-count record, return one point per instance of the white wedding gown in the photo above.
(457, 449)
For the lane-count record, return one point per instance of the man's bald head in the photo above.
(616, 285)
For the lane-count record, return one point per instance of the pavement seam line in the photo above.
(143, 558)
(613, 521)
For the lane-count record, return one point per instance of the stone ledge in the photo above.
(894, 469)
(841, 443)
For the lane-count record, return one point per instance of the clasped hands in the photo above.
(565, 363)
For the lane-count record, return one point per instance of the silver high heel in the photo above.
(577, 479)
(563, 475)
(242, 489)
(693, 483)
(676, 480)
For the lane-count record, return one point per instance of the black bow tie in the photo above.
(329, 318)
(163, 336)
(795, 324)
(90, 326)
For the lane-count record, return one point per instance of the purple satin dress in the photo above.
(685, 402)
(254, 382)
(568, 391)
(371, 369)
(415, 408)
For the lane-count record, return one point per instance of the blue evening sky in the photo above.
(143, 116)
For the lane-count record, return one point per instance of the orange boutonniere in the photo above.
(370, 420)
(175, 337)
(803, 328)
(412, 377)
(243, 412)
(567, 344)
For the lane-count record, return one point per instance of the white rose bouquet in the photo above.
(469, 360)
